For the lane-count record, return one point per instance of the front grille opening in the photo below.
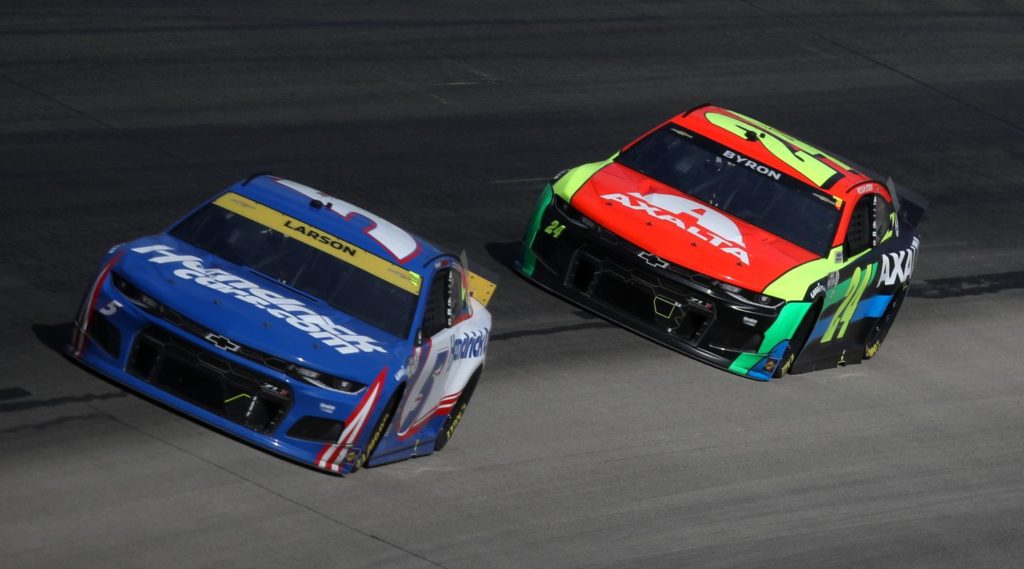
(209, 380)
(689, 325)
(583, 276)
(317, 429)
(191, 383)
(105, 334)
(144, 359)
(643, 302)
(639, 303)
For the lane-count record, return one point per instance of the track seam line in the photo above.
(292, 501)
(880, 63)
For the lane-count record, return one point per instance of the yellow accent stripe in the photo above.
(321, 240)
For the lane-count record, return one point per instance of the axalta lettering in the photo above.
(898, 266)
(292, 311)
(744, 161)
(710, 226)
(470, 345)
(315, 235)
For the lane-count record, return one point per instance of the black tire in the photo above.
(455, 416)
(796, 343)
(880, 330)
(381, 427)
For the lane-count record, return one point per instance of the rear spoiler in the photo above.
(481, 286)
(910, 205)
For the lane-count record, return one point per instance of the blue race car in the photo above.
(294, 321)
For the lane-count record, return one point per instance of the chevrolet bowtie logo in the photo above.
(221, 342)
(652, 260)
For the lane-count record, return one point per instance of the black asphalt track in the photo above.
(585, 446)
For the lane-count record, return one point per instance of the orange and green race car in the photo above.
(732, 242)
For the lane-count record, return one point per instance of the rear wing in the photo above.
(910, 205)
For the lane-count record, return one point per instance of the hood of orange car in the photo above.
(685, 231)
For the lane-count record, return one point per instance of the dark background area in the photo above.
(585, 446)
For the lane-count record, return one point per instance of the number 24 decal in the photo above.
(554, 229)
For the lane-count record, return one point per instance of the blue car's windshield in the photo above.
(294, 263)
(722, 177)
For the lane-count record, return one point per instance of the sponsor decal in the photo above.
(294, 312)
(707, 225)
(818, 290)
(469, 345)
(321, 240)
(833, 279)
(744, 161)
(898, 266)
(327, 407)
(324, 238)
(868, 187)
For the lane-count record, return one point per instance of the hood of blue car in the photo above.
(250, 309)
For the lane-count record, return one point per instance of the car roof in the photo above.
(713, 122)
(341, 219)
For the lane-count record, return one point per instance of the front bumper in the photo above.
(242, 397)
(672, 305)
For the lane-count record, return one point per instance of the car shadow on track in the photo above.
(54, 336)
(504, 253)
(970, 285)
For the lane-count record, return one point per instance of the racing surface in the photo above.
(585, 445)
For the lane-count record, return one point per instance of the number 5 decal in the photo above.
(394, 239)
(111, 308)
(806, 162)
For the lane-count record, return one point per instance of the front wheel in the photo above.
(455, 416)
(378, 432)
(796, 343)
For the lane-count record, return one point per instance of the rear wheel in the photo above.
(455, 416)
(881, 328)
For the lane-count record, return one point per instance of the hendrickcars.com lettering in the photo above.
(292, 311)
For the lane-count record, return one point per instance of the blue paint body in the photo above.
(252, 327)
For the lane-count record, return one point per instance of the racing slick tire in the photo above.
(796, 345)
(455, 416)
(881, 328)
(378, 431)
